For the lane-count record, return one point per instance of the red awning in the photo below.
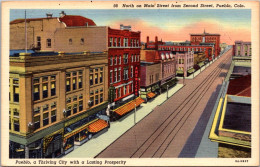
(150, 95)
(129, 106)
(97, 126)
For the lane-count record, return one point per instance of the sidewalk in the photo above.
(94, 146)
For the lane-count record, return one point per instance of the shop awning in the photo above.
(191, 70)
(97, 126)
(129, 106)
(201, 64)
(150, 95)
(179, 72)
(70, 134)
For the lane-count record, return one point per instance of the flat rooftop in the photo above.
(238, 117)
(241, 70)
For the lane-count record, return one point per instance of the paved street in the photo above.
(165, 132)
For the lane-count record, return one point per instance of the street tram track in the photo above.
(200, 88)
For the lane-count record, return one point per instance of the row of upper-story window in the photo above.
(151, 78)
(45, 86)
(49, 42)
(189, 60)
(183, 49)
(124, 90)
(117, 60)
(116, 74)
(200, 38)
(168, 68)
(123, 42)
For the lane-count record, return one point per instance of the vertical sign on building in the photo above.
(136, 80)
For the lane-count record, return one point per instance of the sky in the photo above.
(167, 24)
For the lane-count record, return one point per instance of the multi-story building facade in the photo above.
(207, 50)
(151, 77)
(242, 48)
(185, 62)
(158, 69)
(207, 39)
(70, 34)
(124, 68)
(56, 102)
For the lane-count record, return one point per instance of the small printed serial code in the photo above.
(241, 160)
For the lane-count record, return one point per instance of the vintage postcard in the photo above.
(130, 83)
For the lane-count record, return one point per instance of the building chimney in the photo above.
(156, 42)
(147, 39)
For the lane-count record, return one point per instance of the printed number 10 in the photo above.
(115, 5)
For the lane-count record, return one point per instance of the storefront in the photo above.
(52, 145)
(149, 92)
(168, 84)
(77, 130)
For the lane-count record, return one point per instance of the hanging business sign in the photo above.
(136, 81)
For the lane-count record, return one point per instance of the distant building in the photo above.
(153, 44)
(223, 46)
(207, 38)
(185, 62)
(56, 102)
(206, 49)
(158, 69)
(242, 48)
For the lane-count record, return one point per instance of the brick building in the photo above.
(124, 69)
(153, 44)
(158, 69)
(242, 48)
(205, 49)
(70, 34)
(185, 62)
(207, 39)
(55, 102)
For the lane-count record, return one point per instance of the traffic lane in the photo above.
(128, 143)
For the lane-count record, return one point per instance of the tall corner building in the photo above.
(62, 91)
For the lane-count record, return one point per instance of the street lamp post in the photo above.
(167, 91)
(135, 115)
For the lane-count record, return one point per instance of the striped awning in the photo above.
(128, 106)
(97, 126)
(150, 95)
(191, 70)
(68, 135)
(201, 64)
